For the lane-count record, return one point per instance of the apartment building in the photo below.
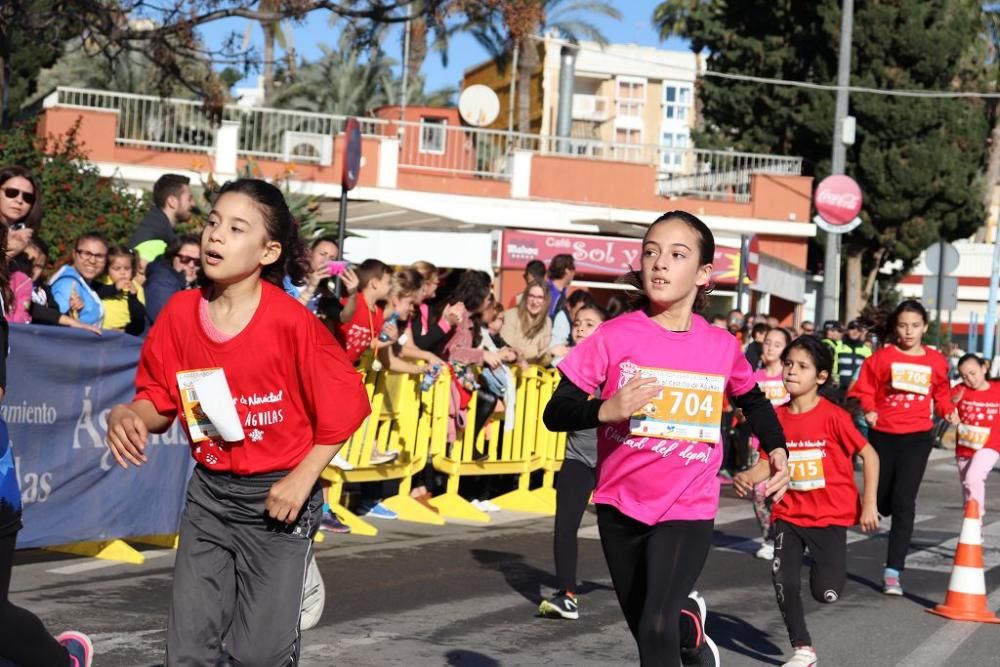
(623, 94)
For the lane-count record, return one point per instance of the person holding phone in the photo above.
(324, 263)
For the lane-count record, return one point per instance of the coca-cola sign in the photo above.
(838, 201)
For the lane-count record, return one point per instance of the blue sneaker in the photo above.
(377, 510)
(331, 524)
(77, 644)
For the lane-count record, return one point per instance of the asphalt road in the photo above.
(467, 595)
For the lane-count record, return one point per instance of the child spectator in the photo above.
(359, 320)
(123, 299)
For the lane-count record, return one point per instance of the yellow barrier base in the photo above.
(522, 500)
(117, 550)
(357, 525)
(546, 496)
(409, 509)
(455, 506)
(165, 541)
(319, 537)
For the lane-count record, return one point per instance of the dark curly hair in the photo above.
(281, 226)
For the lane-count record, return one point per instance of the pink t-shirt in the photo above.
(670, 474)
(774, 390)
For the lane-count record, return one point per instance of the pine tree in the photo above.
(918, 161)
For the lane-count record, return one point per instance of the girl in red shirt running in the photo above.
(822, 501)
(897, 386)
(253, 502)
(978, 446)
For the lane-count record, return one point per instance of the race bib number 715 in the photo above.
(689, 407)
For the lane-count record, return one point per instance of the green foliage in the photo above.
(75, 198)
(918, 160)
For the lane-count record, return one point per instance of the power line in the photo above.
(809, 85)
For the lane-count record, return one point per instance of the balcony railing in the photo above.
(278, 134)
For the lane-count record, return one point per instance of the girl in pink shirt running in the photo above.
(662, 372)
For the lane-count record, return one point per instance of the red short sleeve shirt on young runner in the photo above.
(902, 388)
(979, 412)
(292, 385)
(821, 446)
(356, 336)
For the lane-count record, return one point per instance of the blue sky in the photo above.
(635, 27)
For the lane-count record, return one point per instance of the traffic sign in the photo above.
(949, 293)
(838, 202)
(352, 154)
(941, 258)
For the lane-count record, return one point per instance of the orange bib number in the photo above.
(973, 437)
(806, 467)
(912, 378)
(689, 407)
(775, 391)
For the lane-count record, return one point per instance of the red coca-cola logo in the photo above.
(838, 199)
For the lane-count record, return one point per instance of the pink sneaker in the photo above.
(77, 644)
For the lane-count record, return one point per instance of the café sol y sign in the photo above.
(838, 202)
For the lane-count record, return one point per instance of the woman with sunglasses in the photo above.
(20, 213)
(23, 639)
(174, 271)
(73, 285)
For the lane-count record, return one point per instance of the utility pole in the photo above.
(831, 261)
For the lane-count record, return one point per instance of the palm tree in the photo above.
(502, 25)
(274, 32)
(339, 82)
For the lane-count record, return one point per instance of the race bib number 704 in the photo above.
(689, 407)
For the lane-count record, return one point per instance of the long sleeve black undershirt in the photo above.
(435, 334)
(571, 409)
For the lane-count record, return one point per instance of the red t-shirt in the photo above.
(292, 384)
(356, 336)
(980, 414)
(821, 445)
(900, 388)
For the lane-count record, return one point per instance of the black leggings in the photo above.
(653, 569)
(574, 485)
(23, 639)
(827, 576)
(902, 462)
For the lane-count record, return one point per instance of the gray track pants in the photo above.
(239, 575)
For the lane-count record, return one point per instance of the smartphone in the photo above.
(337, 267)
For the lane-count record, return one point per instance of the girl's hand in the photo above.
(508, 354)
(391, 330)
(869, 519)
(560, 350)
(491, 359)
(777, 484)
(77, 324)
(634, 395)
(953, 418)
(127, 435)
(287, 496)
(454, 313)
(739, 416)
(871, 417)
(349, 279)
(123, 285)
(742, 484)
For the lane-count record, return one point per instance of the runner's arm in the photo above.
(571, 409)
(763, 420)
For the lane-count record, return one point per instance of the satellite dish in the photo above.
(478, 105)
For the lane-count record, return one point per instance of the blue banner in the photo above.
(61, 384)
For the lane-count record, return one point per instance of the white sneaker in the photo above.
(766, 551)
(341, 462)
(478, 504)
(804, 656)
(379, 458)
(488, 506)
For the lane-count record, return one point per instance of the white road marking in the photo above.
(99, 564)
(937, 648)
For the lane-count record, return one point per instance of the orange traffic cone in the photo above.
(966, 598)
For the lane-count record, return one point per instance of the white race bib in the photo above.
(689, 407)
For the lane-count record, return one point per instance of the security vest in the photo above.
(848, 356)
